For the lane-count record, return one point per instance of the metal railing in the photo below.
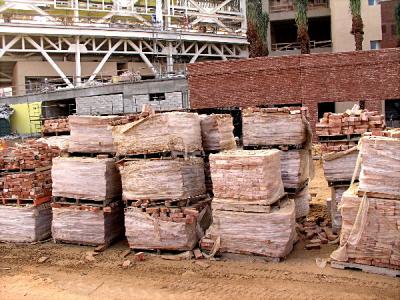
(124, 23)
(102, 79)
(289, 5)
(296, 45)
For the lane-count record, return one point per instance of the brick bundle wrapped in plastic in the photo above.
(28, 155)
(58, 144)
(91, 134)
(88, 225)
(370, 232)
(217, 132)
(156, 133)
(162, 178)
(302, 202)
(339, 166)
(25, 224)
(380, 166)
(247, 175)
(274, 126)
(295, 167)
(26, 185)
(336, 216)
(268, 234)
(167, 228)
(86, 178)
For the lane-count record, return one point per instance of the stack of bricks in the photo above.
(348, 123)
(87, 205)
(167, 190)
(251, 213)
(371, 211)
(25, 184)
(27, 156)
(55, 126)
(287, 129)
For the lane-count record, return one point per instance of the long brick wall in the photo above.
(371, 76)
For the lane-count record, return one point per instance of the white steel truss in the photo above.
(27, 46)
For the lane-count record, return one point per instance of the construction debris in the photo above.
(247, 175)
(162, 178)
(91, 134)
(86, 178)
(274, 126)
(157, 133)
(25, 224)
(217, 132)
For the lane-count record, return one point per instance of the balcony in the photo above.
(279, 49)
(285, 9)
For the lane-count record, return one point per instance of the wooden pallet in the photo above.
(92, 155)
(365, 268)
(56, 133)
(339, 138)
(378, 195)
(267, 147)
(66, 202)
(165, 202)
(25, 202)
(248, 206)
(164, 154)
(12, 171)
(335, 183)
(293, 191)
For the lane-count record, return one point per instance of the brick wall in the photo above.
(371, 76)
(389, 37)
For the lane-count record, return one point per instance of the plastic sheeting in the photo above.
(247, 175)
(88, 227)
(86, 178)
(295, 167)
(25, 224)
(91, 134)
(172, 131)
(273, 126)
(380, 165)
(162, 178)
(269, 234)
(217, 132)
(147, 232)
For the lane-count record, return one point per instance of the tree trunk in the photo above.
(303, 39)
(357, 30)
(256, 46)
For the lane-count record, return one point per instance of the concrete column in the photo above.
(170, 59)
(78, 68)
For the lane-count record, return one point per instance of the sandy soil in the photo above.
(67, 275)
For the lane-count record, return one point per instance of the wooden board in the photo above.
(365, 268)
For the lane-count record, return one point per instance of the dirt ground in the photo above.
(67, 275)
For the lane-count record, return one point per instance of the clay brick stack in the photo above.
(352, 122)
(25, 182)
(286, 129)
(371, 212)
(55, 126)
(217, 135)
(165, 196)
(250, 213)
(87, 206)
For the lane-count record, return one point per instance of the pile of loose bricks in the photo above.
(55, 126)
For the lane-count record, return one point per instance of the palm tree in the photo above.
(397, 16)
(302, 25)
(357, 27)
(257, 29)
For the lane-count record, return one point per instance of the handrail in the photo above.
(312, 4)
(296, 45)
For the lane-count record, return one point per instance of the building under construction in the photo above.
(52, 44)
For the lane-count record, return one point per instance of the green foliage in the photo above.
(355, 7)
(301, 13)
(258, 26)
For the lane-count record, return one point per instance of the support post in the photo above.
(78, 68)
(170, 59)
